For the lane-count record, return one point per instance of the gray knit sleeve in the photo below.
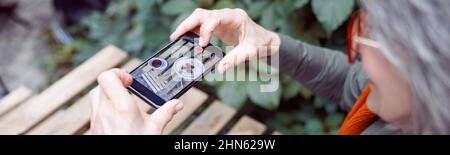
(324, 71)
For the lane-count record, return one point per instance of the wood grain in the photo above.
(247, 126)
(77, 116)
(211, 121)
(14, 98)
(28, 114)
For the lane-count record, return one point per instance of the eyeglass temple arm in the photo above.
(368, 42)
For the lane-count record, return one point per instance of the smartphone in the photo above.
(173, 70)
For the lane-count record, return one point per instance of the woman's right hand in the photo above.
(233, 27)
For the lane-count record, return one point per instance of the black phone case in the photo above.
(151, 97)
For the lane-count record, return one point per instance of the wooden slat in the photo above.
(193, 99)
(88, 132)
(14, 98)
(211, 120)
(247, 126)
(31, 112)
(67, 121)
(276, 133)
(77, 116)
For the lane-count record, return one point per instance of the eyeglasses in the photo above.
(357, 36)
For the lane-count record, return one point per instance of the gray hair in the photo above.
(415, 36)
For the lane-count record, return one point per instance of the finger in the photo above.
(97, 106)
(95, 102)
(163, 115)
(206, 31)
(189, 24)
(113, 83)
(235, 57)
(196, 30)
(125, 77)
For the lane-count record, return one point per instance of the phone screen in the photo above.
(175, 67)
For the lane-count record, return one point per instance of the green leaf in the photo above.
(118, 29)
(96, 24)
(310, 39)
(179, 19)
(268, 18)
(298, 129)
(119, 9)
(268, 100)
(303, 116)
(333, 131)
(233, 93)
(284, 118)
(314, 126)
(134, 41)
(291, 90)
(300, 3)
(307, 108)
(144, 10)
(249, 2)
(206, 3)
(285, 26)
(224, 4)
(306, 93)
(85, 51)
(331, 107)
(254, 10)
(263, 68)
(332, 13)
(154, 38)
(144, 5)
(317, 31)
(334, 119)
(287, 6)
(320, 102)
(176, 7)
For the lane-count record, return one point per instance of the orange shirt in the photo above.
(359, 118)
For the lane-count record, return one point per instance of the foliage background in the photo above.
(141, 27)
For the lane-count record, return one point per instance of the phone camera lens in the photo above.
(158, 63)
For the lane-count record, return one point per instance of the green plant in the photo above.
(140, 27)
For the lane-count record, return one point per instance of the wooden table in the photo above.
(63, 108)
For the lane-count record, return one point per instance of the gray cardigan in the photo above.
(328, 74)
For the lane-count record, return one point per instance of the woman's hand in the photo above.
(114, 110)
(235, 28)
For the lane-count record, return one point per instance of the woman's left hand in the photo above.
(115, 111)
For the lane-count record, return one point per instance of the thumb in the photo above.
(163, 115)
(125, 77)
(236, 56)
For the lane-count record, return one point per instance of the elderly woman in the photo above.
(400, 86)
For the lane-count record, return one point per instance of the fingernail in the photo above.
(172, 37)
(179, 106)
(198, 49)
